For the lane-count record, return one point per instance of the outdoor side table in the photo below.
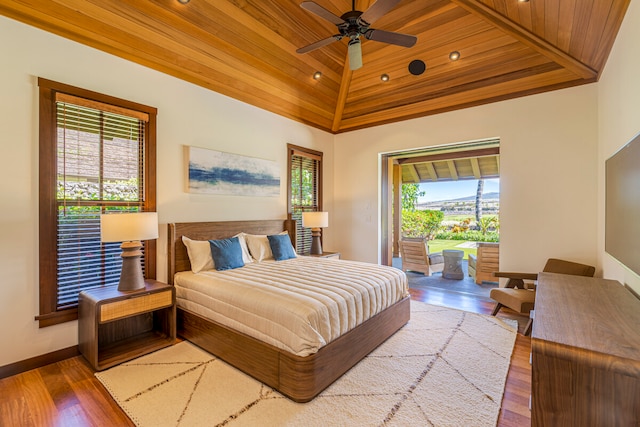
(453, 264)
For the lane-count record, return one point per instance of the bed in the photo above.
(300, 378)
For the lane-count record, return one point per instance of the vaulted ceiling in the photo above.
(246, 49)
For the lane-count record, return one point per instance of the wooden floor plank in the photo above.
(58, 387)
(42, 409)
(14, 411)
(68, 394)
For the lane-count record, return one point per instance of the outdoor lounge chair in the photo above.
(485, 263)
(415, 257)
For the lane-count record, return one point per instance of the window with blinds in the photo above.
(305, 195)
(99, 163)
(100, 168)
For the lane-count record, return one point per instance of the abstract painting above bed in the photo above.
(216, 172)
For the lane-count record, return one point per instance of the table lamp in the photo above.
(315, 221)
(129, 228)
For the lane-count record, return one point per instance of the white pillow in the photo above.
(199, 252)
(259, 246)
(246, 256)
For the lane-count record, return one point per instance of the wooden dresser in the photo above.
(585, 348)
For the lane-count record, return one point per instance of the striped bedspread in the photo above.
(297, 305)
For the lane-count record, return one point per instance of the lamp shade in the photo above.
(126, 227)
(315, 219)
(355, 54)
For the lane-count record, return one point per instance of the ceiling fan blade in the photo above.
(378, 9)
(399, 39)
(321, 12)
(319, 44)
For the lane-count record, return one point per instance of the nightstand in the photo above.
(326, 255)
(114, 326)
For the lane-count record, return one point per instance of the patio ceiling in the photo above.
(482, 163)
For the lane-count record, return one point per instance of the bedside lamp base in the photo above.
(131, 278)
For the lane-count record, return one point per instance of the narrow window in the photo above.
(97, 154)
(305, 190)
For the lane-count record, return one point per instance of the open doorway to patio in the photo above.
(447, 197)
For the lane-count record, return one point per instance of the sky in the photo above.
(436, 191)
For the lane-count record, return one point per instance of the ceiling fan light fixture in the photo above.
(355, 54)
(385, 77)
(454, 56)
(317, 75)
(355, 24)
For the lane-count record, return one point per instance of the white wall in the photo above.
(187, 114)
(553, 148)
(548, 175)
(619, 121)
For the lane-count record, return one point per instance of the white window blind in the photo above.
(304, 184)
(100, 162)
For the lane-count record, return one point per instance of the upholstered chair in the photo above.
(520, 296)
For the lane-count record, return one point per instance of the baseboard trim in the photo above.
(38, 361)
(635, 294)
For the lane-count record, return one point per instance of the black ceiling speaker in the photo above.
(353, 25)
(417, 67)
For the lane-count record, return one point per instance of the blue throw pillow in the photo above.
(226, 253)
(281, 247)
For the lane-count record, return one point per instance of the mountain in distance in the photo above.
(485, 197)
(465, 205)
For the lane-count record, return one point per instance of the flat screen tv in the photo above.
(622, 205)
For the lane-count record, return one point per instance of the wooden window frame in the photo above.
(306, 152)
(49, 313)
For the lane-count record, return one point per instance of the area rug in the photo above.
(444, 368)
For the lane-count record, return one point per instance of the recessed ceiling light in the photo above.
(384, 77)
(317, 75)
(454, 56)
(523, 1)
(184, 1)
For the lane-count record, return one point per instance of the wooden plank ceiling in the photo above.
(465, 165)
(246, 49)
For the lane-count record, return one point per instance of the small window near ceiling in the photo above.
(305, 190)
(97, 155)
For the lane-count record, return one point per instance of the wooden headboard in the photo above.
(177, 251)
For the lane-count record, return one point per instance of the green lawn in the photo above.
(459, 217)
(439, 245)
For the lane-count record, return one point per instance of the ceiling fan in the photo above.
(354, 24)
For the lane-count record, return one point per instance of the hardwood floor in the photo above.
(68, 394)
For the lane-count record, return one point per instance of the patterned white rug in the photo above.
(444, 368)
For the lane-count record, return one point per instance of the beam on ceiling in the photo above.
(475, 167)
(483, 152)
(342, 95)
(432, 172)
(415, 176)
(452, 170)
(528, 38)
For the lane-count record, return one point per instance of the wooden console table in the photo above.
(585, 348)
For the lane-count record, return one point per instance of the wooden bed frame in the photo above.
(299, 378)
